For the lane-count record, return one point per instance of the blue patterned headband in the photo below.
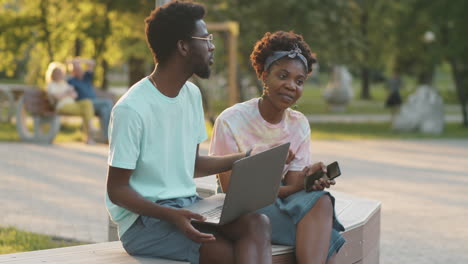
(294, 53)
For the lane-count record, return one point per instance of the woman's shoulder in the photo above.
(296, 115)
(298, 119)
(239, 110)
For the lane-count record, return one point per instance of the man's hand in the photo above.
(181, 219)
(321, 183)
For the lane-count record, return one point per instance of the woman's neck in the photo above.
(269, 112)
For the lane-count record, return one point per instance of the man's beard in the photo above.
(203, 71)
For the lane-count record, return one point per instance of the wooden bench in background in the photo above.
(361, 218)
(34, 105)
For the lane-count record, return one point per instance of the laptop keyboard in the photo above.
(213, 213)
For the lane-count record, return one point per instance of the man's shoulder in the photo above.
(192, 88)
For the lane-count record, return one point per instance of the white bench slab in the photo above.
(360, 217)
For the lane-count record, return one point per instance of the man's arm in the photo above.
(121, 194)
(209, 165)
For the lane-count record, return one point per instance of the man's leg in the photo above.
(103, 108)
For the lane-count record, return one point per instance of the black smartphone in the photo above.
(333, 171)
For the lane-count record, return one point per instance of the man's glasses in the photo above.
(208, 38)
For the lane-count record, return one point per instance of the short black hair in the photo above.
(170, 23)
(279, 41)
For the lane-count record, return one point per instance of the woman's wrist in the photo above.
(247, 154)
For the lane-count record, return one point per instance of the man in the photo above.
(155, 131)
(82, 81)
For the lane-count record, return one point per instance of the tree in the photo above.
(325, 25)
(447, 21)
(374, 20)
(40, 31)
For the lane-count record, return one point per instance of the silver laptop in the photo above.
(254, 184)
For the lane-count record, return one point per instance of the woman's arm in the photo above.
(209, 165)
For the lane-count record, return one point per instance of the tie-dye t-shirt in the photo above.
(241, 126)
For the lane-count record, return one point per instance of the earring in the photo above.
(265, 91)
(295, 107)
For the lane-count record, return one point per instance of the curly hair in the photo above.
(170, 23)
(279, 41)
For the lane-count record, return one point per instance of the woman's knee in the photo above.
(324, 205)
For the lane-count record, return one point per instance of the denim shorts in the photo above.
(285, 213)
(152, 237)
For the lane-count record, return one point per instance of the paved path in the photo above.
(422, 184)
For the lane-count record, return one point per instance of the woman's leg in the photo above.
(314, 231)
(84, 109)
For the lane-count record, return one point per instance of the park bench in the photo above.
(9, 93)
(361, 218)
(34, 105)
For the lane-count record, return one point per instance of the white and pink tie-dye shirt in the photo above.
(240, 127)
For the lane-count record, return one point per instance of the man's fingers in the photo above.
(198, 217)
(200, 237)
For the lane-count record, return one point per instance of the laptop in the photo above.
(254, 184)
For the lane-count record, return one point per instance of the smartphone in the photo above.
(333, 171)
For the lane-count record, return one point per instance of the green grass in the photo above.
(350, 131)
(13, 240)
(68, 133)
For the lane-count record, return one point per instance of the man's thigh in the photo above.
(156, 238)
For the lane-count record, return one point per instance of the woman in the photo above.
(63, 96)
(283, 61)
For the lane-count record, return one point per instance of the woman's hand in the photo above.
(73, 93)
(181, 218)
(321, 183)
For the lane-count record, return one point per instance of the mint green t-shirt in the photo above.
(157, 137)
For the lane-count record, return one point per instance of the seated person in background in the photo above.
(63, 97)
(306, 220)
(82, 81)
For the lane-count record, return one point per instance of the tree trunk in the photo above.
(136, 70)
(78, 47)
(105, 69)
(459, 72)
(365, 81)
(365, 76)
(44, 6)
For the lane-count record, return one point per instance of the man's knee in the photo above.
(256, 223)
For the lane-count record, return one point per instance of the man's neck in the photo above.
(170, 78)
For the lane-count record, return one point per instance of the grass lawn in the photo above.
(68, 133)
(13, 240)
(350, 131)
(72, 132)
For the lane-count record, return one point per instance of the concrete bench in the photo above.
(361, 218)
